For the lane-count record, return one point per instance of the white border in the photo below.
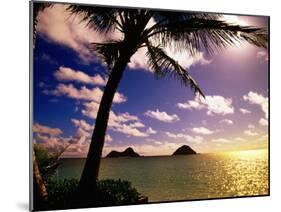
(14, 115)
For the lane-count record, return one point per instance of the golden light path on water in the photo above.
(243, 173)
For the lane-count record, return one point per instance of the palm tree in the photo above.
(178, 30)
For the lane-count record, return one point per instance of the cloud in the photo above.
(244, 111)
(191, 104)
(128, 130)
(140, 60)
(80, 142)
(263, 122)
(239, 139)
(51, 143)
(262, 102)
(84, 93)
(108, 138)
(49, 137)
(68, 74)
(151, 131)
(56, 25)
(82, 124)
(162, 116)
(202, 130)
(119, 122)
(221, 140)
(250, 126)
(137, 124)
(250, 133)
(91, 110)
(258, 99)
(213, 104)
(226, 121)
(188, 138)
(262, 55)
(43, 129)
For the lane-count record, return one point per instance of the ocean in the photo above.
(187, 177)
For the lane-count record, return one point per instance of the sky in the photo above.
(154, 116)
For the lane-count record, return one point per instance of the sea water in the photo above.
(187, 177)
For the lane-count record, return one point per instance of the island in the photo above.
(129, 152)
(184, 150)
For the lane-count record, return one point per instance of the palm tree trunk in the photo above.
(39, 188)
(87, 184)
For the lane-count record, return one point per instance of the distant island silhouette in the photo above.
(129, 152)
(184, 150)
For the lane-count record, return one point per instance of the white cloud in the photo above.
(221, 140)
(128, 130)
(90, 109)
(226, 121)
(43, 129)
(244, 111)
(119, 122)
(49, 137)
(140, 60)
(202, 130)
(191, 104)
(251, 126)
(52, 143)
(56, 25)
(108, 138)
(84, 93)
(262, 55)
(250, 133)
(82, 124)
(151, 131)
(239, 139)
(162, 116)
(262, 102)
(137, 124)
(68, 74)
(188, 138)
(258, 99)
(213, 105)
(263, 122)
(80, 142)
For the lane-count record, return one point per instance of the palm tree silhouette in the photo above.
(178, 30)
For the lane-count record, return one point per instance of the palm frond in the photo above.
(164, 66)
(102, 19)
(206, 34)
(167, 17)
(108, 52)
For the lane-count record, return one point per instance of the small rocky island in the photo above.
(184, 150)
(129, 152)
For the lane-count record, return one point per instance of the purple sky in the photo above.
(153, 116)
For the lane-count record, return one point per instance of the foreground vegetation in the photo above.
(62, 194)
